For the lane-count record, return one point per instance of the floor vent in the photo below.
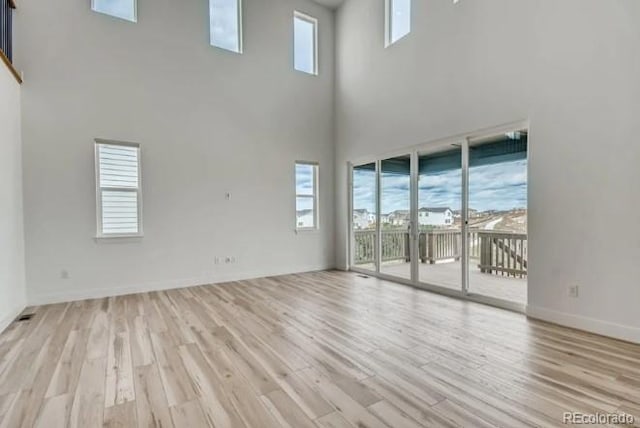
(363, 276)
(25, 317)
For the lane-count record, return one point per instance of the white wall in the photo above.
(571, 67)
(208, 121)
(12, 276)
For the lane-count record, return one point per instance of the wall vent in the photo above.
(25, 317)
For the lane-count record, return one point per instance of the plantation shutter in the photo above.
(119, 189)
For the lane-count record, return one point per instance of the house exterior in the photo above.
(472, 213)
(304, 218)
(435, 217)
(362, 219)
(399, 218)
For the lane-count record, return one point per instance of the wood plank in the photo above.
(120, 416)
(189, 414)
(88, 402)
(213, 399)
(285, 410)
(120, 388)
(141, 348)
(67, 372)
(173, 375)
(55, 410)
(345, 404)
(333, 420)
(394, 417)
(151, 400)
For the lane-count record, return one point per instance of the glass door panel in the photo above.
(439, 219)
(395, 216)
(497, 237)
(364, 217)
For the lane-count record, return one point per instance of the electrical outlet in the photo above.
(573, 291)
(64, 274)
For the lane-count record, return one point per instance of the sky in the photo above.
(491, 187)
(401, 24)
(125, 9)
(304, 186)
(303, 46)
(223, 20)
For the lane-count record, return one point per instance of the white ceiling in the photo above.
(332, 4)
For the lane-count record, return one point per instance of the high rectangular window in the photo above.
(305, 43)
(225, 24)
(398, 20)
(123, 9)
(306, 195)
(119, 197)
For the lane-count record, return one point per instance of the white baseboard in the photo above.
(592, 325)
(6, 320)
(97, 293)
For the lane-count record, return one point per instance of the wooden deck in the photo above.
(326, 349)
(448, 275)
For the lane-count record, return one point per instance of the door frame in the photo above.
(462, 140)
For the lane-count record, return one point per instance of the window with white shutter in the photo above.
(119, 196)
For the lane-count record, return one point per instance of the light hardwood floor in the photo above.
(326, 349)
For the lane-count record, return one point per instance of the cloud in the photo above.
(304, 179)
(491, 187)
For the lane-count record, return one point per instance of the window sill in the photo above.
(118, 238)
(13, 71)
(307, 231)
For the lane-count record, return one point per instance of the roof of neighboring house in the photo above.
(361, 211)
(304, 212)
(435, 210)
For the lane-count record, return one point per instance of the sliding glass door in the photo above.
(498, 244)
(439, 218)
(364, 219)
(451, 218)
(395, 216)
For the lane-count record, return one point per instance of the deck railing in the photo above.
(395, 246)
(503, 253)
(497, 252)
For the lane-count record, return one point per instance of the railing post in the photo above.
(430, 247)
(484, 261)
(407, 247)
